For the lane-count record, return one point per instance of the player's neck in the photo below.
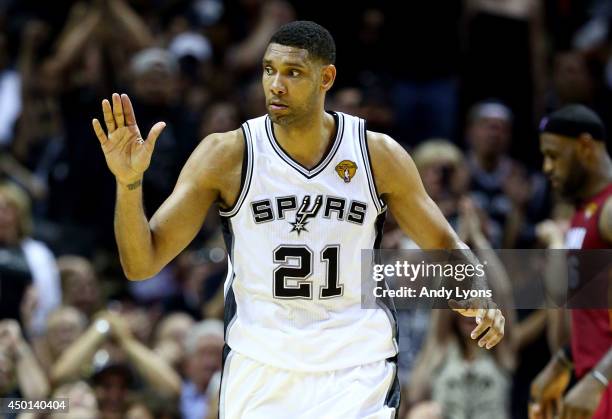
(307, 142)
(600, 178)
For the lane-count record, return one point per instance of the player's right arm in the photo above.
(146, 246)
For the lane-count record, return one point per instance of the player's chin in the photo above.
(280, 117)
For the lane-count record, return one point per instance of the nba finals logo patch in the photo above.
(346, 170)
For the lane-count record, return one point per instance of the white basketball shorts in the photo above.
(252, 390)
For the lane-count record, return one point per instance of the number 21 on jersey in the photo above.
(301, 271)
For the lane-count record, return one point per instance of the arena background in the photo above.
(461, 84)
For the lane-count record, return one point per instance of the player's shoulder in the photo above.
(383, 149)
(216, 156)
(605, 219)
(390, 161)
(221, 147)
(226, 143)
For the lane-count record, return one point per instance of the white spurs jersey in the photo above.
(294, 237)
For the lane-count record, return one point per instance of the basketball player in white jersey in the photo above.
(301, 192)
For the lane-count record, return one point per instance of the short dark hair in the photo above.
(574, 120)
(307, 35)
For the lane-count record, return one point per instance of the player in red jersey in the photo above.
(573, 143)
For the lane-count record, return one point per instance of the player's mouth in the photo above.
(277, 106)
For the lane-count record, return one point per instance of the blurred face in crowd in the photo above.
(572, 80)
(64, 326)
(562, 164)
(489, 137)
(204, 361)
(437, 177)
(9, 221)
(175, 327)
(294, 83)
(111, 390)
(155, 86)
(83, 403)
(81, 288)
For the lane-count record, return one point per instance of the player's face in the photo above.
(561, 164)
(291, 83)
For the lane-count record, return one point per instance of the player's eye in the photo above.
(268, 70)
(295, 73)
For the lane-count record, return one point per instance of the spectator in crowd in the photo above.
(203, 347)
(171, 335)
(504, 57)
(578, 78)
(83, 403)
(21, 376)
(112, 383)
(64, 326)
(453, 375)
(499, 184)
(80, 284)
(153, 370)
(28, 262)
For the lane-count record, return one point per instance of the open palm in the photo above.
(126, 153)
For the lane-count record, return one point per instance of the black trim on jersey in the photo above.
(386, 303)
(221, 399)
(365, 151)
(245, 175)
(379, 225)
(327, 157)
(230, 302)
(394, 394)
(229, 312)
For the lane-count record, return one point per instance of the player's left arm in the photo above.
(605, 221)
(399, 184)
(584, 398)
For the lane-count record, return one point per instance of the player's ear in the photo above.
(585, 145)
(328, 76)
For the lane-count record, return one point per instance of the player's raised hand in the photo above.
(488, 318)
(127, 154)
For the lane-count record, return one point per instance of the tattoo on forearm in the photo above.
(134, 185)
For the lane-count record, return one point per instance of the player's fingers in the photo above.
(479, 329)
(465, 307)
(156, 130)
(490, 315)
(128, 110)
(99, 131)
(109, 120)
(492, 338)
(498, 328)
(118, 111)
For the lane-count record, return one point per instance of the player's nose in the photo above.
(277, 87)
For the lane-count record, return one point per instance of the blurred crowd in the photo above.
(461, 84)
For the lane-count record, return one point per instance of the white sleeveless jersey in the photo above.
(294, 237)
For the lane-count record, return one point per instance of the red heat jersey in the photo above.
(591, 329)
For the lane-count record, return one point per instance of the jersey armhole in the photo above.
(245, 174)
(381, 206)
